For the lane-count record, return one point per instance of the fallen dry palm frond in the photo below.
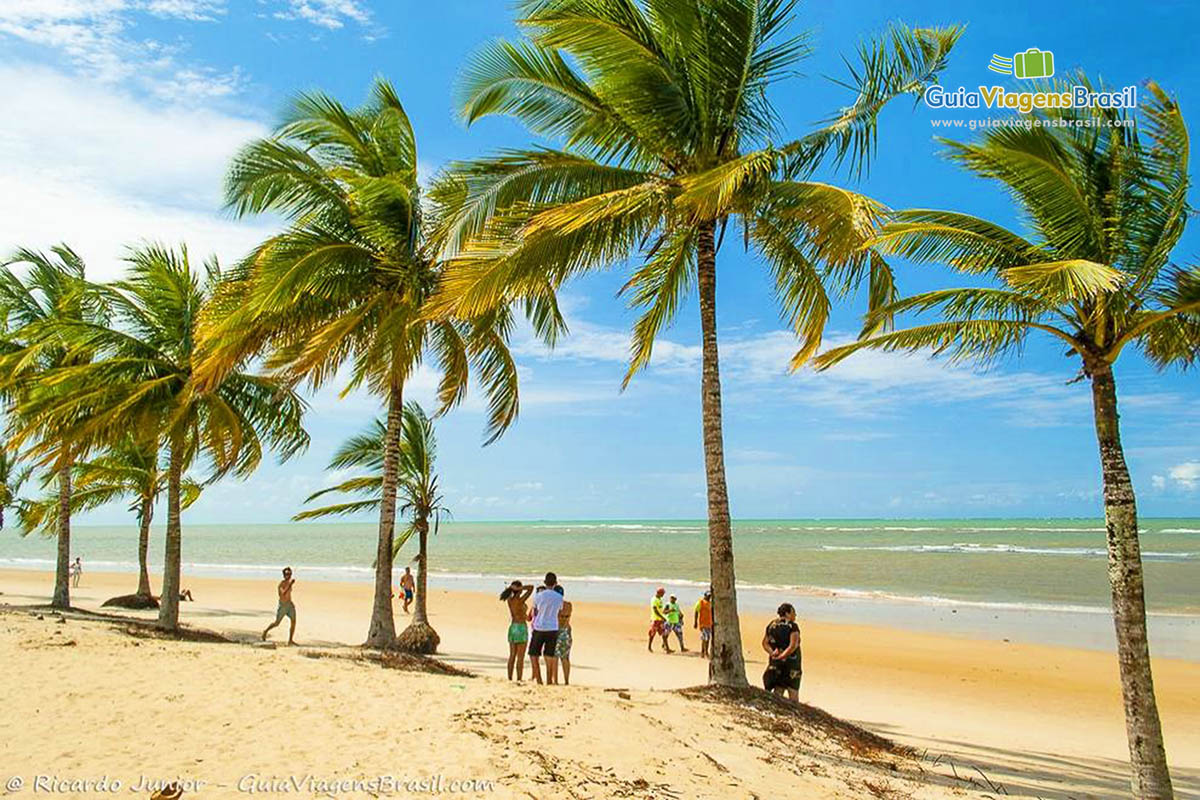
(772, 714)
(392, 659)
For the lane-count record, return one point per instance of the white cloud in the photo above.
(122, 170)
(1186, 475)
(98, 38)
(194, 10)
(864, 385)
(328, 14)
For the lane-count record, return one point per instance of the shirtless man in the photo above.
(286, 606)
(562, 648)
(408, 586)
(516, 594)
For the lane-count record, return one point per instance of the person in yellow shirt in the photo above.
(702, 620)
(658, 622)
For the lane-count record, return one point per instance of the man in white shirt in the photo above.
(547, 602)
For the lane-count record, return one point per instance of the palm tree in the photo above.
(54, 291)
(346, 283)
(664, 112)
(141, 380)
(13, 476)
(129, 468)
(1105, 196)
(421, 501)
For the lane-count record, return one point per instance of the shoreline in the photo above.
(1173, 635)
(1019, 709)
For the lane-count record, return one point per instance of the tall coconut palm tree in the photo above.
(346, 283)
(140, 379)
(420, 500)
(1105, 197)
(663, 111)
(129, 468)
(53, 290)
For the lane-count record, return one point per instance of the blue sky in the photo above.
(120, 116)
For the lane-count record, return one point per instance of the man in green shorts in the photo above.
(286, 607)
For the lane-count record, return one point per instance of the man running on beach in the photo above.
(286, 606)
(658, 622)
(702, 620)
(546, 605)
(675, 621)
(408, 586)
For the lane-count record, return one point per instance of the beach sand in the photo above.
(1043, 721)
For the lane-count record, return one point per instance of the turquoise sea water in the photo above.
(1012, 563)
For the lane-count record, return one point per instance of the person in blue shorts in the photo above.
(407, 585)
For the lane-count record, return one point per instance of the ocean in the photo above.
(1057, 564)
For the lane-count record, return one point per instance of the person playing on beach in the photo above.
(546, 605)
(562, 647)
(186, 594)
(286, 606)
(658, 622)
(518, 630)
(76, 571)
(782, 645)
(675, 621)
(702, 620)
(408, 586)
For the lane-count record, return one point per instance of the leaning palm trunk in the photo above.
(144, 518)
(1147, 755)
(727, 666)
(168, 610)
(420, 637)
(382, 633)
(62, 572)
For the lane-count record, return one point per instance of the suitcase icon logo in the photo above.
(1033, 63)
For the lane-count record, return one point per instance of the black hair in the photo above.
(785, 609)
(551, 579)
(510, 590)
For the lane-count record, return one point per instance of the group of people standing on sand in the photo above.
(550, 618)
(667, 618)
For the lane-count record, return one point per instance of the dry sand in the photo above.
(1041, 721)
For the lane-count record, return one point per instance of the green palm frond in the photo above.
(1105, 198)
(345, 289)
(418, 490)
(902, 61)
(660, 287)
(664, 110)
(1064, 281)
(967, 243)
(979, 340)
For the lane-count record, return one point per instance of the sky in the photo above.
(120, 117)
